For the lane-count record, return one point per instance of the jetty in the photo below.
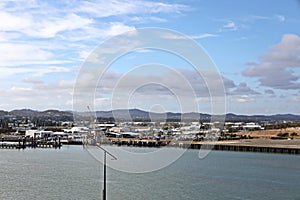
(263, 146)
(24, 142)
(249, 145)
(139, 142)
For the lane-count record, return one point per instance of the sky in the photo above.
(255, 46)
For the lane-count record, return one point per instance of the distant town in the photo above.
(144, 125)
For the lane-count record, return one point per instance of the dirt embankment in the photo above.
(273, 132)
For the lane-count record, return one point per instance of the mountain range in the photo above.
(140, 115)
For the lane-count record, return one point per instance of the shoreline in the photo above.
(243, 145)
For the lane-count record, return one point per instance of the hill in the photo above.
(140, 115)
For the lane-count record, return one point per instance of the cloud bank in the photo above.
(277, 68)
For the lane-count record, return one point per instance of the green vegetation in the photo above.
(294, 134)
(282, 125)
(283, 134)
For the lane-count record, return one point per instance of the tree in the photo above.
(283, 134)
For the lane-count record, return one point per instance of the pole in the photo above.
(104, 170)
(104, 177)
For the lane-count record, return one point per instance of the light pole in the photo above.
(104, 170)
(92, 121)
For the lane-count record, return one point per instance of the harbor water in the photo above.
(72, 173)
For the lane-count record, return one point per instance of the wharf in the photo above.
(251, 145)
(139, 142)
(263, 146)
(22, 143)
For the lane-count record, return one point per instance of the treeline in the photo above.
(282, 125)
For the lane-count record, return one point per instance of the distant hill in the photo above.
(136, 115)
(3, 113)
(262, 118)
(140, 115)
(47, 114)
(23, 113)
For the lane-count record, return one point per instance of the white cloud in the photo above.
(205, 35)
(230, 26)
(257, 17)
(144, 84)
(243, 89)
(144, 19)
(38, 95)
(156, 19)
(172, 36)
(6, 37)
(185, 37)
(275, 69)
(103, 8)
(242, 99)
(48, 21)
(14, 22)
(295, 98)
(32, 81)
(281, 18)
(253, 18)
(116, 29)
(50, 27)
(187, 84)
(33, 71)
(35, 37)
(22, 54)
(42, 27)
(270, 92)
(46, 26)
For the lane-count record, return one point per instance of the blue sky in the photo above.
(254, 44)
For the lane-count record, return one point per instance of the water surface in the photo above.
(71, 173)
